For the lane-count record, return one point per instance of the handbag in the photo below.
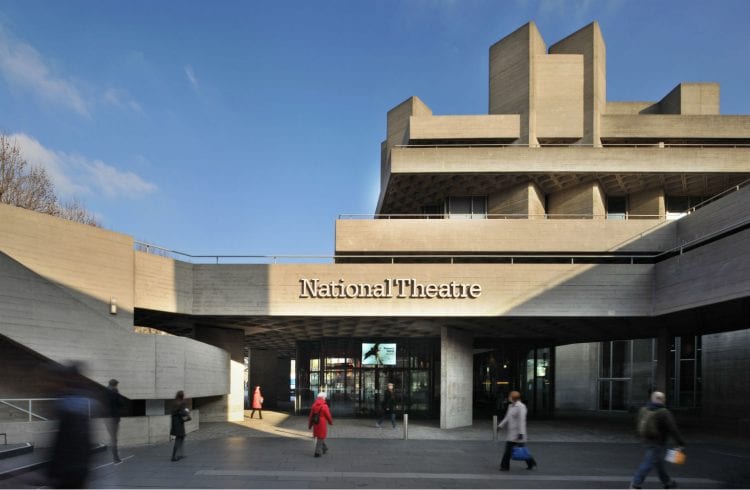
(675, 456)
(520, 453)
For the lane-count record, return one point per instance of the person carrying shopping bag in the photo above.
(515, 441)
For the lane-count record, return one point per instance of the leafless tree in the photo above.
(30, 187)
(75, 211)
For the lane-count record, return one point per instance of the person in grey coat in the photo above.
(515, 419)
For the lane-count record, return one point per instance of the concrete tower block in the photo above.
(558, 98)
(525, 200)
(398, 120)
(582, 201)
(691, 99)
(512, 77)
(589, 43)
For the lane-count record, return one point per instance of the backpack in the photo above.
(316, 418)
(648, 423)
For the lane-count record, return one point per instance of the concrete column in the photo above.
(662, 360)
(227, 407)
(456, 383)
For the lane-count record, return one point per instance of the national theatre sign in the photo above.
(389, 288)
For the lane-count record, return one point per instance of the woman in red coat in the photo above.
(257, 403)
(318, 421)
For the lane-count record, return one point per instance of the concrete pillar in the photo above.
(662, 361)
(456, 378)
(227, 407)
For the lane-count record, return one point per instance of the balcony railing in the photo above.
(33, 409)
(659, 144)
(479, 216)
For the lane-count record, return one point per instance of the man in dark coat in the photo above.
(655, 425)
(71, 452)
(388, 407)
(113, 424)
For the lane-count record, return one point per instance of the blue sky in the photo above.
(247, 127)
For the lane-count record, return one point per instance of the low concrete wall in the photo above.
(134, 431)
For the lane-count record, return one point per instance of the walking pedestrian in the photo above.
(257, 403)
(180, 415)
(388, 408)
(318, 421)
(655, 425)
(515, 419)
(71, 451)
(113, 423)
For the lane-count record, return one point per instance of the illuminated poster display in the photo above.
(378, 354)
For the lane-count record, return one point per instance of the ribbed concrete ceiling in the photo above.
(282, 333)
(407, 193)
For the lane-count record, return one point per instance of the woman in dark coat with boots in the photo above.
(180, 415)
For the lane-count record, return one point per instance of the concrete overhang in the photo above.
(675, 127)
(477, 127)
(423, 175)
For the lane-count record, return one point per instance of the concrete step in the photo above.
(11, 450)
(30, 461)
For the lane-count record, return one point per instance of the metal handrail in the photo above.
(578, 145)
(148, 247)
(31, 414)
(498, 216)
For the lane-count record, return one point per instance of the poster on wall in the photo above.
(378, 354)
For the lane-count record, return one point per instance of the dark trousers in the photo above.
(390, 414)
(260, 412)
(320, 446)
(177, 449)
(113, 426)
(654, 457)
(505, 463)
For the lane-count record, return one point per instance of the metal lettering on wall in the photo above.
(389, 288)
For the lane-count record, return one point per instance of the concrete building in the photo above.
(534, 248)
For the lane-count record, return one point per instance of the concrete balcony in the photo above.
(673, 126)
(426, 236)
(559, 159)
(489, 127)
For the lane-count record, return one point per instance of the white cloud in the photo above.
(74, 174)
(22, 65)
(190, 74)
(122, 100)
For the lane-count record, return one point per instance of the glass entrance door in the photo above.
(509, 367)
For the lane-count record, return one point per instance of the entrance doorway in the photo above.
(503, 368)
(355, 388)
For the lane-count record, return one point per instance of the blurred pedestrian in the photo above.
(318, 421)
(515, 419)
(72, 447)
(180, 415)
(257, 403)
(388, 408)
(655, 425)
(113, 422)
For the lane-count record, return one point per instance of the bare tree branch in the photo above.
(30, 187)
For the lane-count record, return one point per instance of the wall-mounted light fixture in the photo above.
(113, 306)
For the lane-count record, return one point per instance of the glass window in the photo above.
(617, 207)
(467, 207)
(605, 363)
(621, 359)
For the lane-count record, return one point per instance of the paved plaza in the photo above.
(277, 452)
